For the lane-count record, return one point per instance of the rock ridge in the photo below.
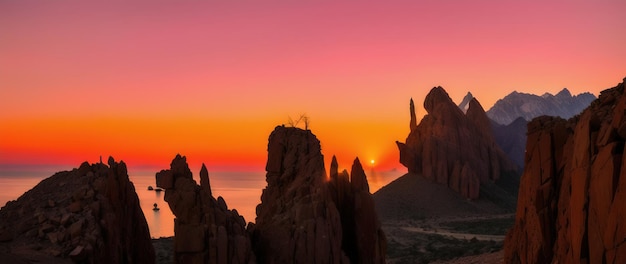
(529, 106)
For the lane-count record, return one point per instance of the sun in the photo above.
(372, 162)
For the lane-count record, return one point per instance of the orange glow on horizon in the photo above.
(228, 144)
(145, 81)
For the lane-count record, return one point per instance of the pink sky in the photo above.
(212, 79)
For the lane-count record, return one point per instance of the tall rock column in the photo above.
(297, 221)
(205, 231)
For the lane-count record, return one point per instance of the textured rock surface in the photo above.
(205, 231)
(299, 219)
(529, 106)
(572, 198)
(90, 214)
(455, 149)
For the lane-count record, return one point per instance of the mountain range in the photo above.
(529, 106)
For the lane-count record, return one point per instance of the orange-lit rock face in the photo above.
(572, 198)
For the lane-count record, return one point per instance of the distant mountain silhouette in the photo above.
(529, 106)
(572, 195)
(512, 139)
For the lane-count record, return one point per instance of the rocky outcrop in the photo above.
(89, 215)
(303, 217)
(205, 231)
(363, 238)
(572, 197)
(455, 149)
(529, 106)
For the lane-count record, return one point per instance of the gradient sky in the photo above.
(145, 80)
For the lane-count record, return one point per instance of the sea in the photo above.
(240, 189)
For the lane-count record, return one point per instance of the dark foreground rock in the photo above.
(572, 198)
(90, 214)
(303, 218)
(205, 230)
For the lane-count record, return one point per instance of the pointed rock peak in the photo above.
(437, 96)
(413, 123)
(465, 102)
(358, 179)
(111, 161)
(564, 93)
(180, 167)
(204, 179)
(334, 168)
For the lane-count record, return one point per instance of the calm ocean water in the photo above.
(240, 190)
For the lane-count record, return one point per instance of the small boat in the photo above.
(156, 208)
(150, 188)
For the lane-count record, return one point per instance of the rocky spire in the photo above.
(358, 178)
(305, 218)
(413, 124)
(334, 168)
(455, 149)
(205, 231)
(204, 180)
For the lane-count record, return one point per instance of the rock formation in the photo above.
(529, 106)
(300, 220)
(363, 239)
(205, 231)
(464, 105)
(455, 149)
(89, 215)
(572, 197)
(413, 123)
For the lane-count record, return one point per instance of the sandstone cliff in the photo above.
(572, 197)
(303, 217)
(205, 230)
(90, 214)
(456, 149)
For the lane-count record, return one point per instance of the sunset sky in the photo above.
(145, 80)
